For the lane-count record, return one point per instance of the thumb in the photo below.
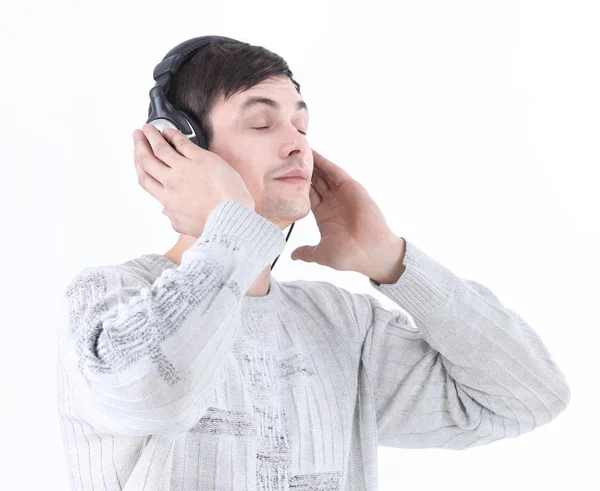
(304, 253)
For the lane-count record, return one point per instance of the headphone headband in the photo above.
(162, 113)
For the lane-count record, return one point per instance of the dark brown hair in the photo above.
(222, 68)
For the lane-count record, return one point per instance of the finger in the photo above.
(160, 146)
(146, 181)
(315, 198)
(145, 160)
(319, 182)
(154, 188)
(304, 253)
(182, 143)
(333, 174)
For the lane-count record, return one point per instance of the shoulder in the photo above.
(93, 282)
(339, 306)
(356, 312)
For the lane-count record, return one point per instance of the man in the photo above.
(196, 369)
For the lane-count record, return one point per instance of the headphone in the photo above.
(162, 113)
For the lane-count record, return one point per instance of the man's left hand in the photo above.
(354, 233)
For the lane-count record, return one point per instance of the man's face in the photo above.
(261, 155)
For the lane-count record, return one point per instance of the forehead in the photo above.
(277, 93)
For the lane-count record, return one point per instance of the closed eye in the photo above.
(265, 127)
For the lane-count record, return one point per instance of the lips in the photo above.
(300, 173)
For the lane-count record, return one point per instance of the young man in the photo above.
(196, 369)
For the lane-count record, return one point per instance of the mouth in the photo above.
(292, 180)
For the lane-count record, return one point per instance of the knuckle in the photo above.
(183, 174)
(159, 150)
(140, 158)
(182, 142)
(175, 137)
(167, 184)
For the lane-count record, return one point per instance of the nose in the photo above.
(297, 144)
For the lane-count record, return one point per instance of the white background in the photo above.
(474, 125)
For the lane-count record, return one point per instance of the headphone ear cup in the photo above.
(200, 136)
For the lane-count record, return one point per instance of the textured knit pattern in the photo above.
(171, 378)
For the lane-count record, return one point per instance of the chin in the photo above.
(284, 211)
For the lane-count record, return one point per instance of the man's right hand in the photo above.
(188, 180)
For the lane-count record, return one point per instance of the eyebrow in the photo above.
(256, 101)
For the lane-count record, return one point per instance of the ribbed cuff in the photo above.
(235, 235)
(424, 286)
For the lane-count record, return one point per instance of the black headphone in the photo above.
(162, 113)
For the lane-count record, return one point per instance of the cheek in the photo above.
(254, 179)
(251, 162)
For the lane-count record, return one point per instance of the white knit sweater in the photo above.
(171, 378)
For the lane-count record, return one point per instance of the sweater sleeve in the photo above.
(144, 356)
(455, 368)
